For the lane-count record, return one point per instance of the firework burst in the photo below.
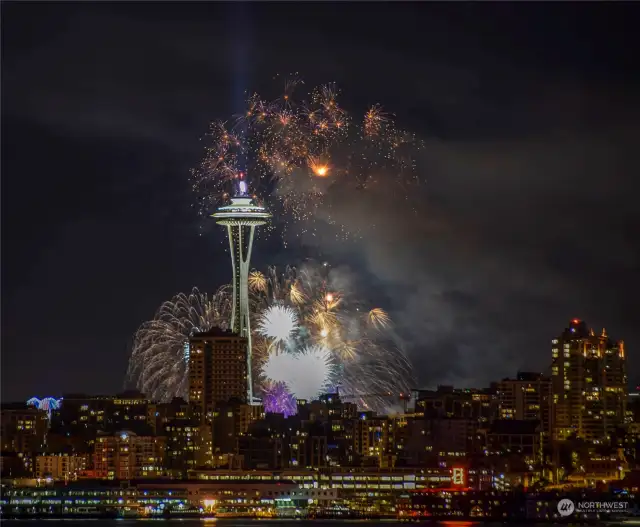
(277, 399)
(305, 148)
(278, 323)
(159, 359)
(311, 334)
(48, 404)
(379, 318)
(306, 374)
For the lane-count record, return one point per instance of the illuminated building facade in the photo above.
(374, 437)
(188, 441)
(62, 467)
(450, 437)
(154, 499)
(412, 447)
(241, 217)
(23, 428)
(371, 487)
(328, 406)
(633, 407)
(217, 370)
(126, 455)
(262, 452)
(85, 415)
(523, 438)
(161, 413)
(447, 402)
(231, 420)
(308, 449)
(528, 397)
(589, 383)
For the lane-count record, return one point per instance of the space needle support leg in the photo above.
(233, 267)
(247, 319)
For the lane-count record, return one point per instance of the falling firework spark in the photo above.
(378, 318)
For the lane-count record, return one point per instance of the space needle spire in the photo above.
(241, 217)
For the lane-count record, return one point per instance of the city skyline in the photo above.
(525, 215)
(552, 373)
(519, 427)
(529, 442)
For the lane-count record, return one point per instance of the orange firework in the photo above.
(276, 141)
(373, 120)
(319, 167)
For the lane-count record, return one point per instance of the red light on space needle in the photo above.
(576, 321)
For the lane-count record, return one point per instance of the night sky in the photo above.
(528, 215)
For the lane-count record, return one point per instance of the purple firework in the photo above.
(277, 399)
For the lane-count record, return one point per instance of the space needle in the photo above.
(241, 218)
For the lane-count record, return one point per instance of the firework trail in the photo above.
(311, 333)
(296, 150)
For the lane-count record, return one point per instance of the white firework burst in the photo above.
(307, 374)
(278, 322)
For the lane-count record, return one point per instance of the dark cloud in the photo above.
(526, 215)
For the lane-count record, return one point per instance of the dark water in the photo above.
(241, 522)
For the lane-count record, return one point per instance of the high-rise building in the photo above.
(521, 437)
(633, 407)
(450, 436)
(527, 398)
(126, 455)
(447, 401)
(60, 466)
(231, 419)
(85, 415)
(188, 440)
(23, 428)
(373, 440)
(217, 370)
(589, 383)
(309, 449)
(410, 441)
(241, 217)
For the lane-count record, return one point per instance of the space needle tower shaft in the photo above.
(241, 217)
